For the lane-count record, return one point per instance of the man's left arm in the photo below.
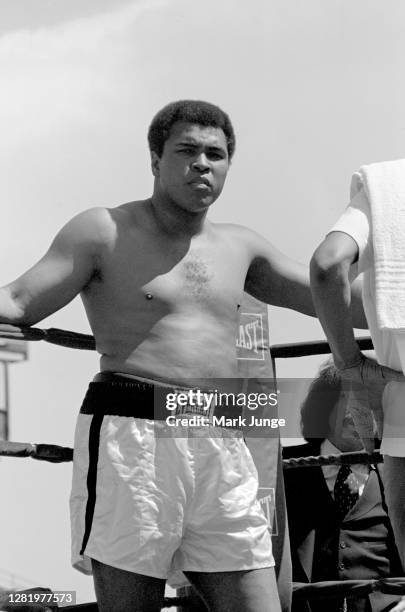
(278, 280)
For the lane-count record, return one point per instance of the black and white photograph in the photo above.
(202, 305)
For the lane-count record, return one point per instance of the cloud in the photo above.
(62, 72)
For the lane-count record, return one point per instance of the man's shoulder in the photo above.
(240, 232)
(99, 215)
(101, 223)
(110, 216)
(234, 228)
(93, 225)
(228, 228)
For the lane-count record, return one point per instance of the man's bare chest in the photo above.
(199, 273)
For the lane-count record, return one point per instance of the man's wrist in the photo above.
(351, 361)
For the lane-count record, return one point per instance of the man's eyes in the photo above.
(214, 155)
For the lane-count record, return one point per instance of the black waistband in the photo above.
(117, 395)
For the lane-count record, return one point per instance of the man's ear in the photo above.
(155, 163)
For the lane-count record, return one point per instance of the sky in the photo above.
(314, 89)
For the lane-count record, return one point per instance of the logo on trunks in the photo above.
(250, 339)
(267, 499)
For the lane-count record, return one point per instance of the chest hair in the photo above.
(197, 276)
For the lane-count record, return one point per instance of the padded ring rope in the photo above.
(42, 452)
(62, 454)
(348, 588)
(61, 337)
(342, 459)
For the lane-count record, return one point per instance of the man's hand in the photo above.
(367, 380)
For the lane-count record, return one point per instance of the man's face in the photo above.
(342, 432)
(193, 166)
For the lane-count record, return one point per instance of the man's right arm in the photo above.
(330, 284)
(67, 267)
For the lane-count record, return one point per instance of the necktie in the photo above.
(345, 491)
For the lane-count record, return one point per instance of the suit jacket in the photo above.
(323, 547)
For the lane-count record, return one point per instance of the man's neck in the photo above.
(173, 220)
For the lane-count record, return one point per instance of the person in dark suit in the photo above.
(339, 526)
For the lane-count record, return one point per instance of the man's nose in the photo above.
(201, 163)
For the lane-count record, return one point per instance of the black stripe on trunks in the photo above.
(113, 396)
(94, 441)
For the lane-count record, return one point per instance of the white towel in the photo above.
(384, 184)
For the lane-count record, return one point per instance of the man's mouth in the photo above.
(200, 182)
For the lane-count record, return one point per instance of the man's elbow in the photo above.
(12, 311)
(325, 266)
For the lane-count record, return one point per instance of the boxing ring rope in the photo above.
(63, 454)
(41, 452)
(58, 454)
(62, 337)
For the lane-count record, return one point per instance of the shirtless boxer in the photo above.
(161, 285)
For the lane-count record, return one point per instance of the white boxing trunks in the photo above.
(155, 499)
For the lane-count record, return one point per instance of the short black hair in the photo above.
(323, 395)
(189, 111)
